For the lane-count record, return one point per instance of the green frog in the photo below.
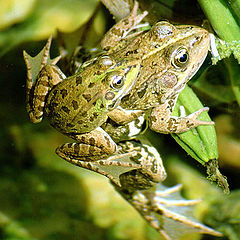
(138, 74)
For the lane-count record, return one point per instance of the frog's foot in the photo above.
(194, 122)
(166, 210)
(123, 28)
(38, 81)
(111, 167)
(162, 121)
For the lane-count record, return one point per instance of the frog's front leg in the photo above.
(161, 120)
(122, 28)
(97, 152)
(122, 116)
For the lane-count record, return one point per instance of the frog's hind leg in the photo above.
(42, 75)
(122, 29)
(97, 152)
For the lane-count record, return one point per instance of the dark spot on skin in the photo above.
(92, 141)
(126, 98)
(84, 114)
(171, 104)
(80, 122)
(75, 104)
(91, 119)
(78, 80)
(87, 97)
(69, 145)
(95, 114)
(160, 212)
(101, 146)
(70, 125)
(76, 149)
(65, 109)
(126, 21)
(172, 124)
(100, 162)
(102, 152)
(142, 92)
(57, 116)
(89, 166)
(91, 85)
(107, 141)
(55, 92)
(153, 118)
(53, 105)
(39, 117)
(85, 125)
(64, 93)
(83, 139)
(101, 106)
(138, 156)
(91, 150)
(135, 51)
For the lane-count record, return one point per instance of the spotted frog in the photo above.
(138, 73)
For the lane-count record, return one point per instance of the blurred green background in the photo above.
(44, 197)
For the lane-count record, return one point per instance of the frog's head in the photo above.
(175, 54)
(180, 51)
(119, 81)
(170, 56)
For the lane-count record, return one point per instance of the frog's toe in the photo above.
(198, 122)
(36, 64)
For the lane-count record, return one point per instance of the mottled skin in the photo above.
(142, 72)
(138, 77)
(170, 56)
(78, 105)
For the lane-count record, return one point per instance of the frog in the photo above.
(162, 207)
(78, 105)
(170, 56)
(123, 83)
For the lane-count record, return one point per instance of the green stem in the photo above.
(221, 19)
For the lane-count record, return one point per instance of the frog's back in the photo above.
(73, 105)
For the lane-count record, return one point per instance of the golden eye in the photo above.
(180, 57)
(117, 81)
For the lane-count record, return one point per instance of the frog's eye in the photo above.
(180, 57)
(117, 81)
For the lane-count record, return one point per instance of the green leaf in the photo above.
(201, 142)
